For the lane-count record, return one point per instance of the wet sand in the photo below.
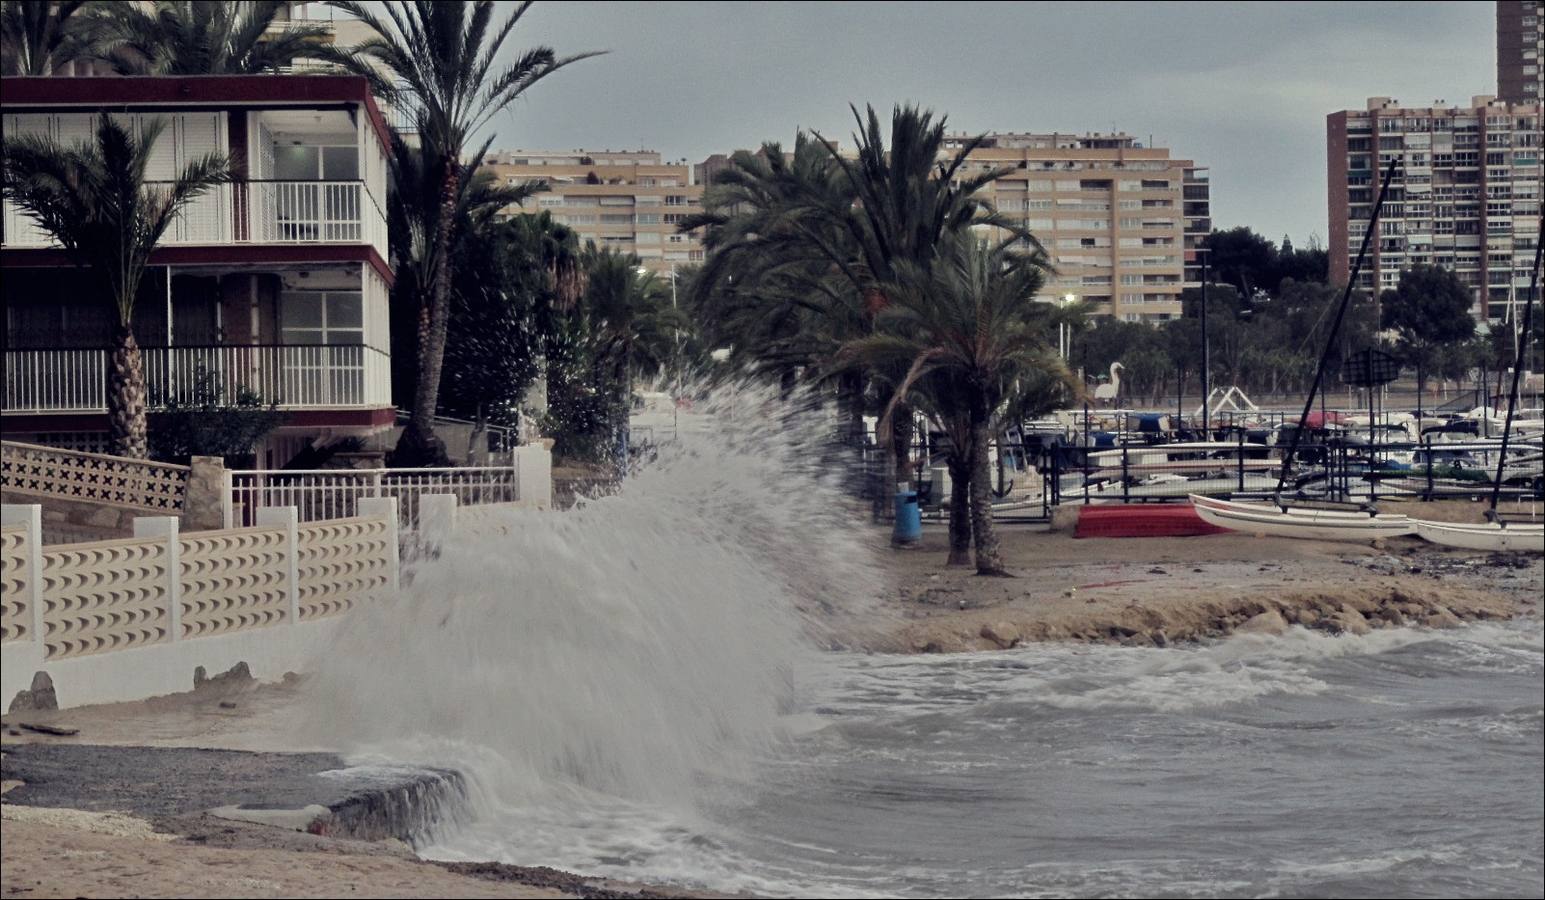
(1164, 590)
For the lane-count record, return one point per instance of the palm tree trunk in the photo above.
(988, 560)
(126, 397)
(901, 443)
(960, 506)
(419, 446)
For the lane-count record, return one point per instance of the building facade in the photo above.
(630, 201)
(1120, 221)
(1465, 196)
(276, 283)
(1521, 51)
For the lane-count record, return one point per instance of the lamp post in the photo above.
(1064, 331)
(1206, 354)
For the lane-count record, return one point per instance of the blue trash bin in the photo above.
(909, 519)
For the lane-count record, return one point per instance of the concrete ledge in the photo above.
(312, 792)
(164, 668)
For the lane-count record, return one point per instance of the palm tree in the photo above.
(629, 319)
(94, 200)
(412, 210)
(436, 61)
(802, 250)
(974, 338)
(203, 37)
(38, 37)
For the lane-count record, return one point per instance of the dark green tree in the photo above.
(1428, 310)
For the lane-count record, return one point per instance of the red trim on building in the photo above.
(221, 254)
(276, 90)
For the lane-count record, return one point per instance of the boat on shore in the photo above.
(1299, 522)
(1510, 537)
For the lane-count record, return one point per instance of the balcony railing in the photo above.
(295, 376)
(255, 212)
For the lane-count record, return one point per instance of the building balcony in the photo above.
(253, 212)
(294, 377)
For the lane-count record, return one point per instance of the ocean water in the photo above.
(1403, 763)
(636, 689)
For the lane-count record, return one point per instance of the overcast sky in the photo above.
(1243, 88)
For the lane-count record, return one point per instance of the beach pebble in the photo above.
(1003, 634)
(1268, 622)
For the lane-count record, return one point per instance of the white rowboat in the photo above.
(1526, 537)
(1315, 524)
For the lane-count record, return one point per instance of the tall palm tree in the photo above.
(203, 37)
(94, 200)
(38, 37)
(975, 341)
(629, 317)
(412, 211)
(437, 62)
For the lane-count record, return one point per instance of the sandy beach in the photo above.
(1164, 590)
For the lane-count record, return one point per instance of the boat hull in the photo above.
(1311, 524)
(1526, 538)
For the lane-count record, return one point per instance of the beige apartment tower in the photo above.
(1121, 221)
(629, 201)
(1465, 195)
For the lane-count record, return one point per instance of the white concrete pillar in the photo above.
(288, 518)
(534, 476)
(386, 508)
(167, 527)
(30, 516)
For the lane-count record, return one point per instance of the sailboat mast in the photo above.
(1519, 362)
(1335, 328)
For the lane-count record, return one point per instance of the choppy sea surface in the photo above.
(1402, 763)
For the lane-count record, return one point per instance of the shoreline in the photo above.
(1163, 591)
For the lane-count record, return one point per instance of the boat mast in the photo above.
(1335, 328)
(1519, 361)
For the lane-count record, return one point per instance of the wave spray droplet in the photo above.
(641, 646)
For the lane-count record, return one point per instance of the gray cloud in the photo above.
(1242, 87)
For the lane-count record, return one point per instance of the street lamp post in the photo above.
(1206, 354)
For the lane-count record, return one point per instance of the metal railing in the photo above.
(260, 212)
(294, 376)
(320, 494)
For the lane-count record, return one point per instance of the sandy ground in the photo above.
(68, 853)
(1164, 590)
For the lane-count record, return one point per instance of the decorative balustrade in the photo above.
(233, 580)
(97, 477)
(104, 596)
(341, 563)
(295, 376)
(15, 573)
(254, 212)
(159, 588)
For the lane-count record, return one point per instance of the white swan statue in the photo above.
(1111, 390)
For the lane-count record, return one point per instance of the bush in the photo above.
(212, 422)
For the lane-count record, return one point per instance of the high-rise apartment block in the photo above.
(1120, 221)
(630, 201)
(1520, 49)
(1465, 196)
